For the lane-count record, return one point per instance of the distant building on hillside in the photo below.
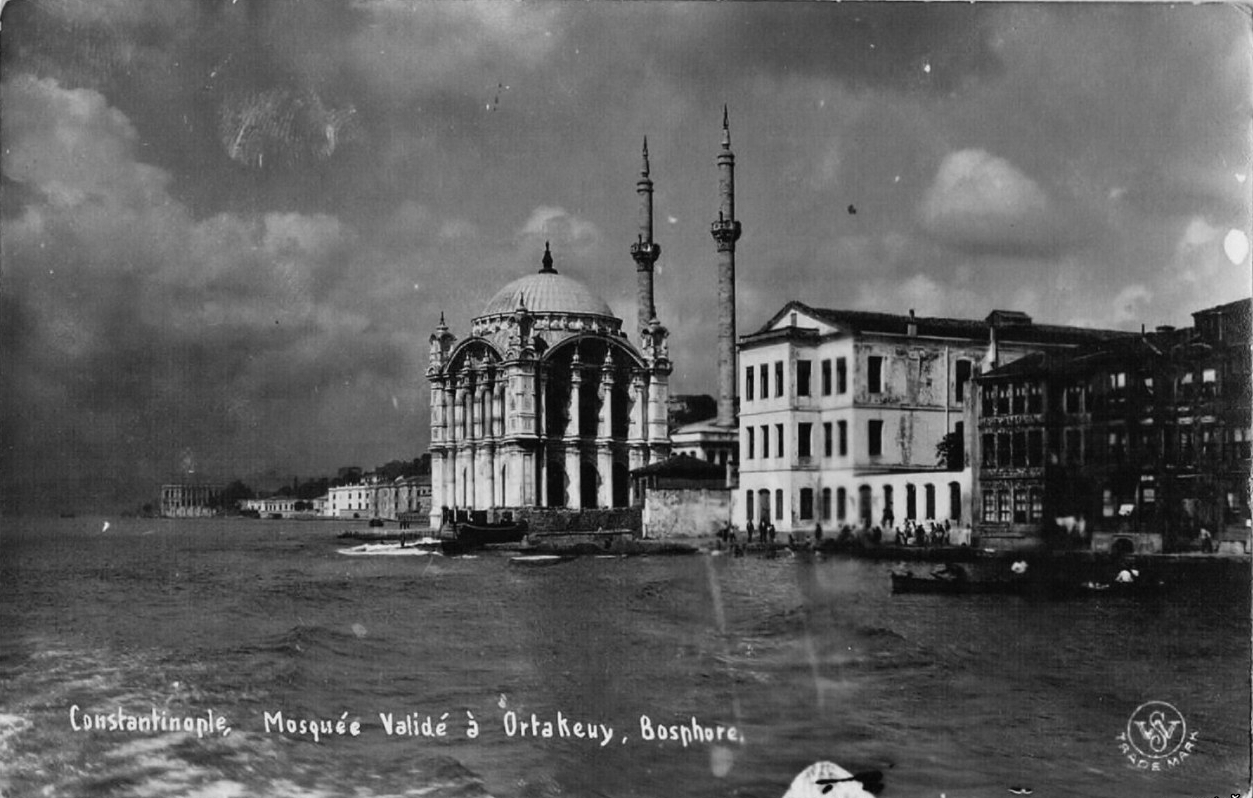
(190, 499)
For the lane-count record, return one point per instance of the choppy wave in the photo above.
(42, 754)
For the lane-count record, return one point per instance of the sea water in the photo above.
(251, 658)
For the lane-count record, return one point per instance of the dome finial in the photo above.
(548, 261)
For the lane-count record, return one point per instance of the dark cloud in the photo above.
(230, 226)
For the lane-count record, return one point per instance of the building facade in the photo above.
(391, 500)
(858, 418)
(190, 500)
(1132, 444)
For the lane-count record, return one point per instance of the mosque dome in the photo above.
(547, 292)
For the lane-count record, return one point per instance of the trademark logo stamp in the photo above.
(1157, 737)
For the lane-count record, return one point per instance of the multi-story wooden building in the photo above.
(1140, 442)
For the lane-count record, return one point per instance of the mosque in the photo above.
(547, 402)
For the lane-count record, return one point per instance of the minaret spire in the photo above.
(644, 251)
(726, 231)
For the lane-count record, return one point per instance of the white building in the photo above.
(842, 412)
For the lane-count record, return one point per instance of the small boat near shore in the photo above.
(467, 537)
(539, 560)
(426, 546)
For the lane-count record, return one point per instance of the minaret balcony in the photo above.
(645, 253)
(725, 231)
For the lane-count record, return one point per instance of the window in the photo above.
(826, 504)
(1071, 399)
(1002, 400)
(748, 384)
(841, 376)
(1002, 450)
(807, 504)
(1035, 398)
(748, 506)
(778, 434)
(954, 501)
(1037, 504)
(1074, 446)
(1118, 380)
(875, 437)
(749, 447)
(911, 502)
(765, 441)
(1020, 399)
(1019, 452)
(1035, 448)
(963, 377)
(826, 377)
(889, 512)
(804, 432)
(843, 438)
(988, 400)
(827, 442)
(1118, 446)
(989, 506)
(803, 368)
(841, 499)
(1005, 509)
(1020, 505)
(764, 373)
(1209, 375)
(874, 374)
(778, 504)
(988, 450)
(778, 378)
(928, 492)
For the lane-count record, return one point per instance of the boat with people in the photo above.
(1020, 584)
(910, 583)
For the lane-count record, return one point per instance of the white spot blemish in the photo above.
(395, 403)
(359, 630)
(1236, 245)
(720, 760)
(1241, 177)
(672, 220)
(926, 68)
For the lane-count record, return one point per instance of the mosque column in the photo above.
(574, 459)
(540, 455)
(604, 437)
(658, 411)
(484, 481)
(637, 456)
(459, 449)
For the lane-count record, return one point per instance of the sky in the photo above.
(228, 228)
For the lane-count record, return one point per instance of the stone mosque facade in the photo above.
(547, 402)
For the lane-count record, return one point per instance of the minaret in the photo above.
(644, 251)
(726, 231)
